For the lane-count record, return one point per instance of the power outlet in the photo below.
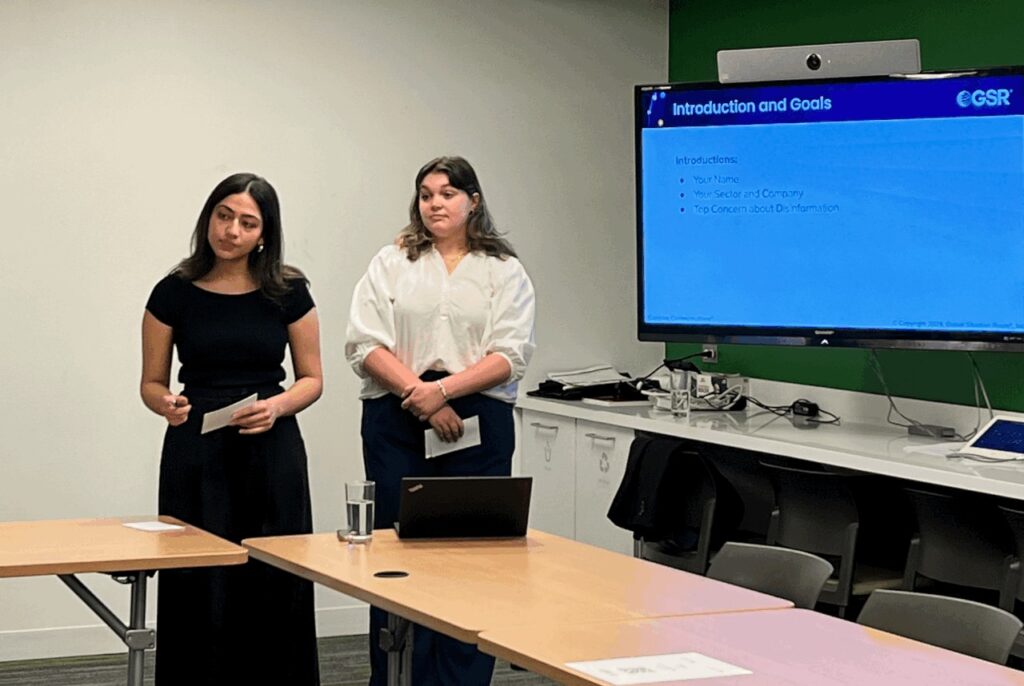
(711, 358)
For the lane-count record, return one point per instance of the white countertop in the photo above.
(869, 447)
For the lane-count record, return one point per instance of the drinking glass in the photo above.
(678, 383)
(359, 508)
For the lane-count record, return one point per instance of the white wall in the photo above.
(119, 117)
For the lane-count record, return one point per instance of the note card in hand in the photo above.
(470, 437)
(218, 419)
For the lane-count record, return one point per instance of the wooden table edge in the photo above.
(144, 564)
(529, 663)
(486, 645)
(413, 615)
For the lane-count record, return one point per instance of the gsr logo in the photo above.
(992, 97)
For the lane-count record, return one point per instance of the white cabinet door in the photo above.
(548, 455)
(601, 453)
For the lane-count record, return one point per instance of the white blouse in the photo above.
(430, 319)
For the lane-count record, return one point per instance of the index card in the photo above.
(470, 437)
(218, 419)
(154, 526)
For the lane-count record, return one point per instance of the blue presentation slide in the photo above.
(902, 222)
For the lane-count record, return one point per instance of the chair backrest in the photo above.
(961, 540)
(790, 574)
(965, 626)
(752, 487)
(697, 484)
(1015, 519)
(815, 509)
(695, 504)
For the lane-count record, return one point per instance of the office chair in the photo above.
(816, 512)
(961, 540)
(707, 506)
(753, 487)
(965, 626)
(790, 574)
(1014, 589)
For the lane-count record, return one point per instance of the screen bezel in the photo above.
(801, 336)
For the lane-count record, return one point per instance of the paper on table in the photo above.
(470, 437)
(588, 376)
(218, 419)
(653, 669)
(154, 526)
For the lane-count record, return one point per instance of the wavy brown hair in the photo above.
(265, 265)
(481, 233)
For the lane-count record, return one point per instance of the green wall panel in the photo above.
(954, 34)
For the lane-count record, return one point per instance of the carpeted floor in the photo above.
(343, 662)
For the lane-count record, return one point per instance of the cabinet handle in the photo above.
(546, 427)
(599, 437)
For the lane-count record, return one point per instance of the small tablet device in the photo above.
(1002, 439)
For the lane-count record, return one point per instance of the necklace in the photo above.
(452, 261)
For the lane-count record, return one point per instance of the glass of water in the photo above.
(359, 508)
(678, 382)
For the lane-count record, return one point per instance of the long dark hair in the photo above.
(264, 265)
(481, 233)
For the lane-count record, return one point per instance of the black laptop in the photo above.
(464, 507)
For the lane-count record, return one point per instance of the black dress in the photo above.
(250, 623)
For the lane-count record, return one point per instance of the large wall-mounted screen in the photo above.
(881, 212)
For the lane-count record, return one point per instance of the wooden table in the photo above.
(78, 546)
(463, 587)
(780, 648)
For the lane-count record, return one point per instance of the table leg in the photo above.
(137, 627)
(396, 641)
(136, 636)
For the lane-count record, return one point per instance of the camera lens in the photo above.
(814, 62)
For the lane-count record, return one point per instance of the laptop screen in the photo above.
(464, 507)
(1004, 435)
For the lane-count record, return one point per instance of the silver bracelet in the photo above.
(444, 392)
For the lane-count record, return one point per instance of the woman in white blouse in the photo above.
(440, 330)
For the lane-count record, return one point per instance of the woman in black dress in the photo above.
(231, 308)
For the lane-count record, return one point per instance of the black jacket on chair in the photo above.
(648, 500)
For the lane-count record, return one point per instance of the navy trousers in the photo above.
(244, 624)
(392, 449)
